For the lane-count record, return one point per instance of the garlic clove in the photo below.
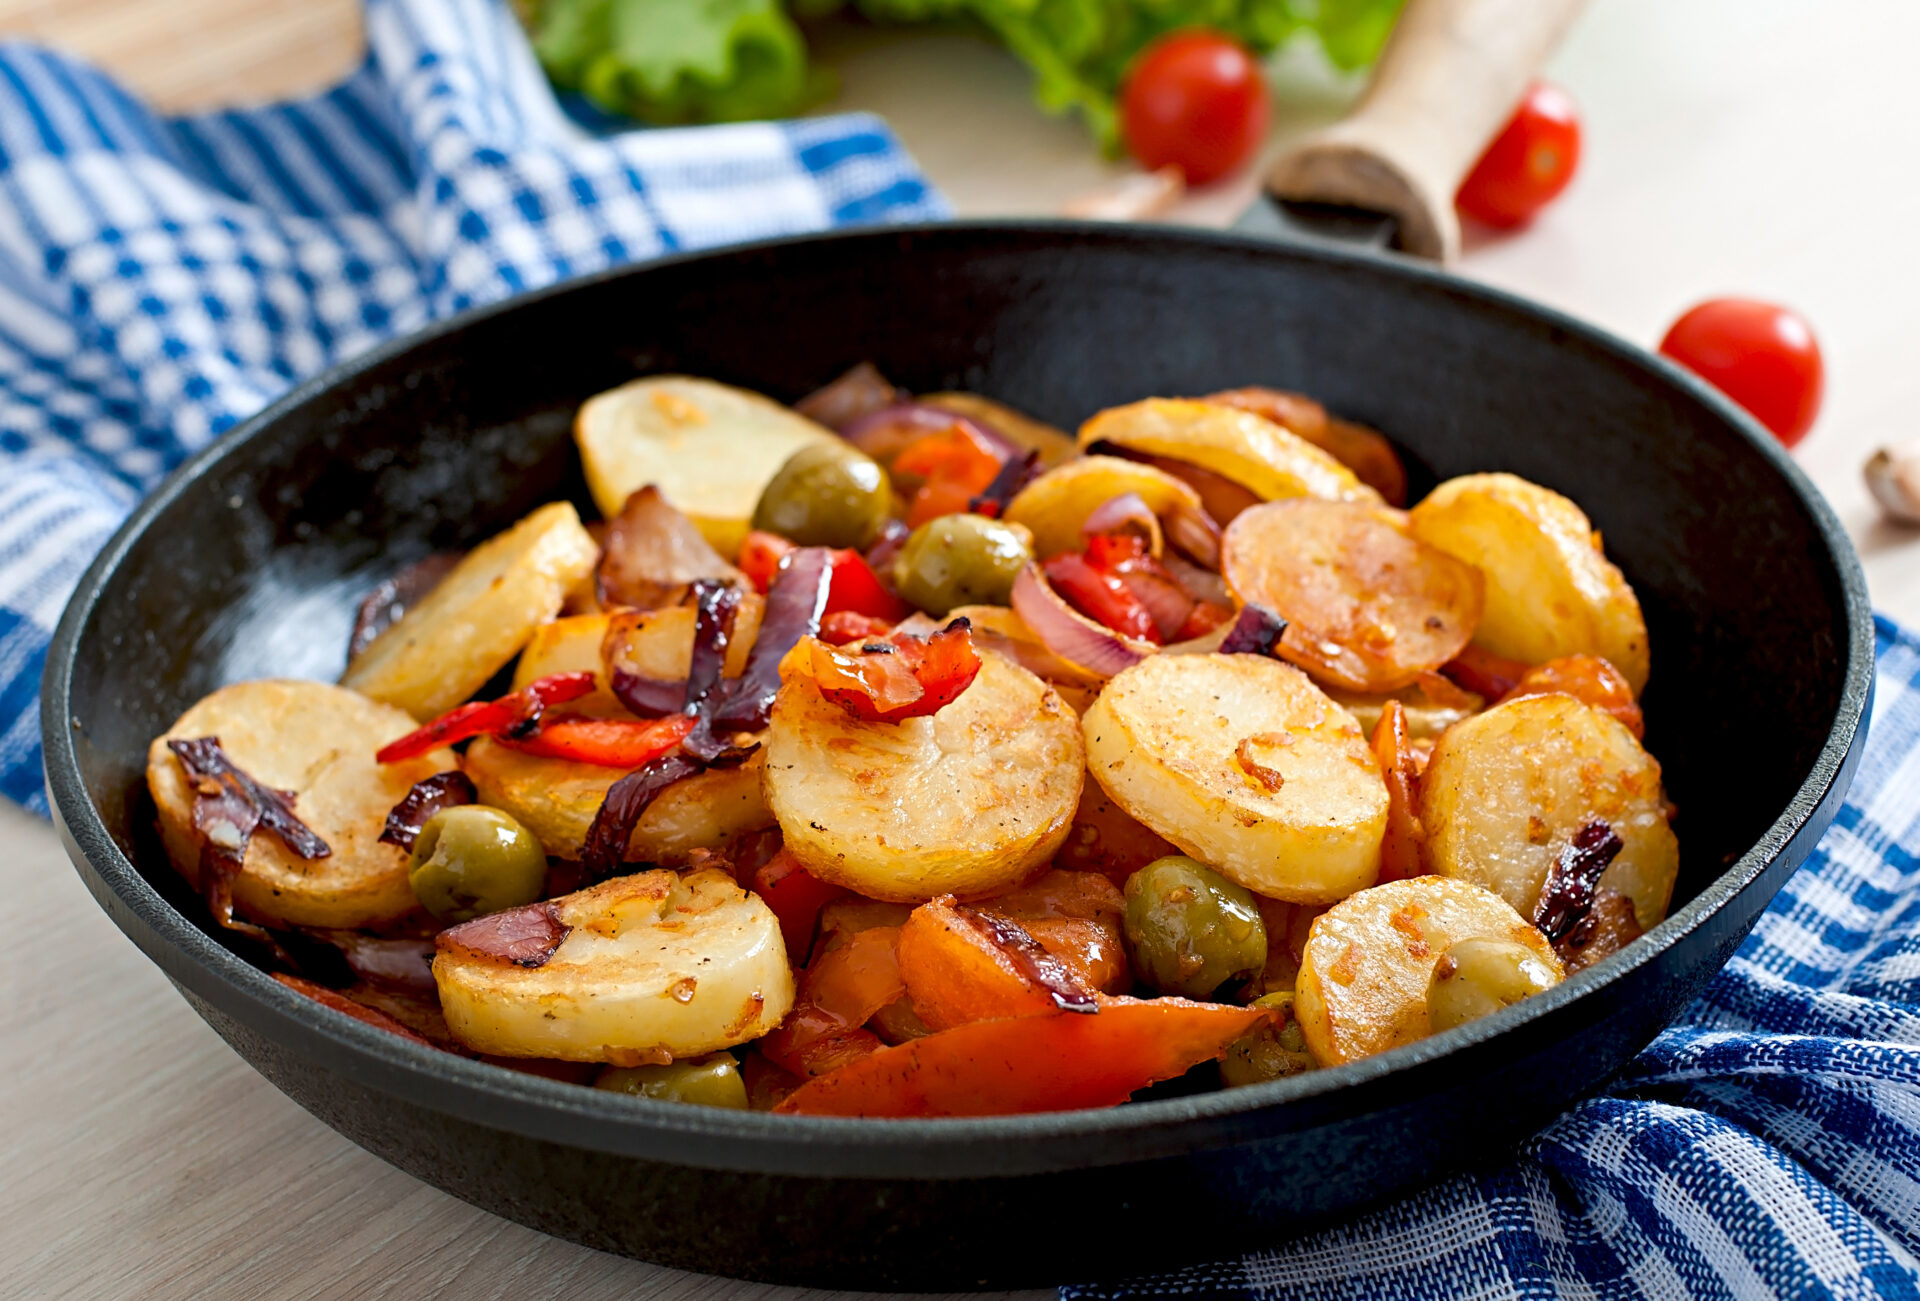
(1893, 476)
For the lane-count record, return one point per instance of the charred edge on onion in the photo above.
(606, 845)
(428, 796)
(795, 605)
(1032, 961)
(228, 807)
(526, 937)
(860, 392)
(1015, 473)
(1256, 631)
(389, 602)
(1567, 895)
(1609, 926)
(716, 606)
(893, 536)
(395, 963)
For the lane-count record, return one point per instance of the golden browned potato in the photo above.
(316, 740)
(965, 801)
(556, 800)
(1363, 981)
(655, 966)
(478, 618)
(1054, 445)
(659, 643)
(1506, 791)
(1370, 608)
(571, 645)
(1247, 766)
(1551, 591)
(1268, 459)
(710, 449)
(1055, 505)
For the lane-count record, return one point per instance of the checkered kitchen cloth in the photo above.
(162, 279)
(1767, 1145)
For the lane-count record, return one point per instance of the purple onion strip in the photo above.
(428, 796)
(606, 844)
(1033, 962)
(1255, 632)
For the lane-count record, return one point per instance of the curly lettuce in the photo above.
(723, 60)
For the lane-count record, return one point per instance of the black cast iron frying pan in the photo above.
(248, 560)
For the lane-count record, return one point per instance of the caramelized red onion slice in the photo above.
(1255, 631)
(860, 392)
(880, 556)
(347, 1007)
(648, 697)
(228, 807)
(884, 434)
(526, 936)
(1035, 963)
(606, 844)
(653, 551)
(1201, 584)
(428, 796)
(795, 605)
(1016, 472)
(1194, 534)
(398, 964)
(1567, 895)
(1069, 634)
(1165, 600)
(1127, 511)
(386, 604)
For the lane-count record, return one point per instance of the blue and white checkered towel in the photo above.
(162, 279)
(1767, 1145)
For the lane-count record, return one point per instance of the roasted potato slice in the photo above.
(316, 740)
(1370, 456)
(1270, 460)
(659, 643)
(1054, 445)
(1369, 607)
(1551, 591)
(556, 800)
(571, 645)
(1505, 792)
(709, 448)
(480, 615)
(1055, 505)
(1247, 766)
(966, 801)
(1369, 959)
(655, 966)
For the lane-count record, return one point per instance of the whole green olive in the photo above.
(710, 1081)
(1274, 1051)
(1476, 977)
(961, 560)
(472, 860)
(1189, 930)
(826, 495)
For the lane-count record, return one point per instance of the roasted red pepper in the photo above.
(898, 677)
(606, 742)
(856, 589)
(518, 710)
(957, 464)
(760, 557)
(1492, 676)
(843, 626)
(796, 897)
(1102, 597)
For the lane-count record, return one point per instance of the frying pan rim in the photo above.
(936, 1148)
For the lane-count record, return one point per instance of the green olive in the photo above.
(472, 860)
(1189, 930)
(1274, 1051)
(1479, 976)
(961, 560)
(826, 495)
(711, 1081)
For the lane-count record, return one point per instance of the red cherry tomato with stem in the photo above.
(1761, 355)
(1194, 100)
(1529, 162)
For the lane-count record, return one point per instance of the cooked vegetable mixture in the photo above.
(897, 756)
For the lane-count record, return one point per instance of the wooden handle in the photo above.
(1448, 79)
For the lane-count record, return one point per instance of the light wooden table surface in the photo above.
(1766, 147)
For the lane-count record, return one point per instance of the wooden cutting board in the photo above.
(195, 54)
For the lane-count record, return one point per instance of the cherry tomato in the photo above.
(1194, 100)
(1529, 162)
(1762, 356)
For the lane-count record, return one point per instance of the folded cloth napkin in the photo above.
(163, 278)
(1768, 1144)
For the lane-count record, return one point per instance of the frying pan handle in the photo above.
(1448, 79)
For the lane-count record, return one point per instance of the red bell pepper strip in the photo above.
(1101, 596)
(606, 742)
(1402, 850)
(855, 589)
(843, 626)
(1492, 676)
(899, 677)
(760, 557)
(513, 711)
(841, 989)
(796, 897)
(957, 464)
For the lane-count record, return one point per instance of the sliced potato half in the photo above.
(1268, 459)
(1362, 987)
(556, 800)
(1370, 608)
(1551, 591)
(1246, 765)
(478, 618)
(655, 965)
(316, 740)
(710, 449)
(1505, 792)
(659, 643)
(967, 801)
(1055, 505)
(571, 645)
